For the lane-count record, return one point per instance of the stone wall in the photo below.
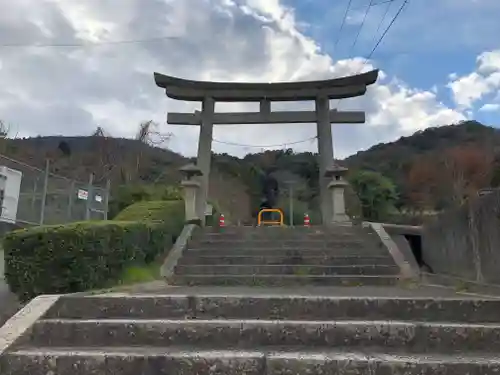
(465, 242)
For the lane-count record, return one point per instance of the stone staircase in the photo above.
(195, 333)
(277, 256)
(314, 325)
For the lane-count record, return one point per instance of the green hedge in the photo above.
(169, 214)
(78, 256)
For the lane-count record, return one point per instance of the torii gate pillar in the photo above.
(204, 158)
(325, 151)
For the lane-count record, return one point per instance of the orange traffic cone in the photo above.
(307, 221)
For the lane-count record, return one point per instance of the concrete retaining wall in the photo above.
(465, 242)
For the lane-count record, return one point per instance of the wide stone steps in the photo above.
(285, 269)
(412, 337)
(257, 235)
(277, 280)
(199, 333)
(184, 361)
(276, 231)
(272, 259)
(239, 256)
(274, 243)
(281, 251)
(277, 307)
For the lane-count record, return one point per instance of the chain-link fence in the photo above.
(47, 198)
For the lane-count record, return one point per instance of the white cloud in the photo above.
(490, 107)
(470, 88)
(73, 90)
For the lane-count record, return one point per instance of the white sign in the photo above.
(98, 198)
(83, 194)
(209, 210)
(10, 184)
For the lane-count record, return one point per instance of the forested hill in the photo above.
(414, 164)
(395, 159)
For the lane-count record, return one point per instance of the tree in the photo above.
(376, 192)
(148, 134)
(5, 133)
(448, 179)
(421, 184)
(106, 158)
(466, 169)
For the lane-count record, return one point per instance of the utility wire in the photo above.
(375, 4)
(387, 8)
(342, 24)
(265, 146)
(400, 10)
(367, 10)
(379, 41)
(86, 44)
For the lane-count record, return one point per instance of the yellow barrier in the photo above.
(272, 222)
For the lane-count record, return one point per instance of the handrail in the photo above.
(273, 222)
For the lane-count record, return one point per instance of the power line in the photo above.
(387, 8)
(342, 24)
(367, 10)
(86, 44)
(349, 8)
(374, 5)
(405, 2)
(265, 146)
(398, 13)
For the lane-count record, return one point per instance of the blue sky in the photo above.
(429, 40)
(440, 64)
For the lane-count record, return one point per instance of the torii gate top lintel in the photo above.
(336, 88)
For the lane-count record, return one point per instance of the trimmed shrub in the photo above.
(168, 214)
(152, 211)
(127, 195)
(79, 256)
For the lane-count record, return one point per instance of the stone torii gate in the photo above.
(208, 93)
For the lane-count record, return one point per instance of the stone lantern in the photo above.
(337, 187)
(190, 186)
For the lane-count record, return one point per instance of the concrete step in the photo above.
(283, 236)
(282, 280)
(284, 269)
(273, 259)
(283, 252)
(287, 231)
(419, 337)
(354, 244)
(279, 234)
(277, 306)
(183, 361)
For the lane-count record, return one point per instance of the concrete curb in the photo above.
(454, 282)
(21, 322)
(168, 266)
(407, 271)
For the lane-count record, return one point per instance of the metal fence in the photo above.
(47, 198)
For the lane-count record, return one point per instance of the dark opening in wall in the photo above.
(415, 242)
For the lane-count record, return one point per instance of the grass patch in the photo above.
(140, 274)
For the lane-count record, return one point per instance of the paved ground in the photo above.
(159, 287)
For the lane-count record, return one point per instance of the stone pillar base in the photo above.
(191, 187)
(341, 218)
(190, 191)
(339, 215)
